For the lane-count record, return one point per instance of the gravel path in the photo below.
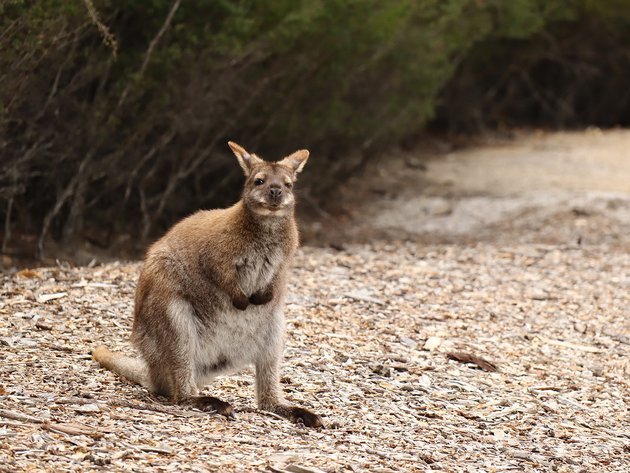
(372, 330)
(551, 188)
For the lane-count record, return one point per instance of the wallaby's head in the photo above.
(269, 185)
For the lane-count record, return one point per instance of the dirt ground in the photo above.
(532, 187)
(471, 315)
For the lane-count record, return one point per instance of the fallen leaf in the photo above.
(470, 358)
(28, 273)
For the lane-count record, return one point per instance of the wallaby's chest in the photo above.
(257, 266)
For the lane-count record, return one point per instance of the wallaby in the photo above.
(210, 295)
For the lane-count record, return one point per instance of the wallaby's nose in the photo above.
(275, 192)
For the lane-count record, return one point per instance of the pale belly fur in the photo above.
(237, 339)
(234, 339)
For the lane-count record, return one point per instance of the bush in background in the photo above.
(114, 114)
(571, 72)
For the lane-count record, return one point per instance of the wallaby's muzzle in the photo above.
(275, 195)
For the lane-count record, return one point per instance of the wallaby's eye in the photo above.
(289, 185)
(259, 182)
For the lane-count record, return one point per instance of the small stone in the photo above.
(432, 343)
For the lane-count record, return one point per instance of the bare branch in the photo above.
(108, 38)
(166, 139)
(65, 195)
(150, 49)
(7, 225)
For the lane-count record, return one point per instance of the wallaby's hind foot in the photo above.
(211, 404)
(299, 415)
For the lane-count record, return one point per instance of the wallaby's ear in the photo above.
(296, 161)
(246, 160)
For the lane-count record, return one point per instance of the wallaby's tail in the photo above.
(134, 369)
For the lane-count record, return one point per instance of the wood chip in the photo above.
(293, 468)
(19, 416)
(573, 346)
(364, 297)
(43, 298)
(87, 408)
(155, 449)
(43, 325)
(72, 429)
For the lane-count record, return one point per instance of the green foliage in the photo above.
(132, 135)
(566, 71)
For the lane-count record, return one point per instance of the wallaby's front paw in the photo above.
(261, 297)
(240, 302)
(299, 415)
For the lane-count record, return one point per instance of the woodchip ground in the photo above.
(542, 293)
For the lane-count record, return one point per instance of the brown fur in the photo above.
(210, 296)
